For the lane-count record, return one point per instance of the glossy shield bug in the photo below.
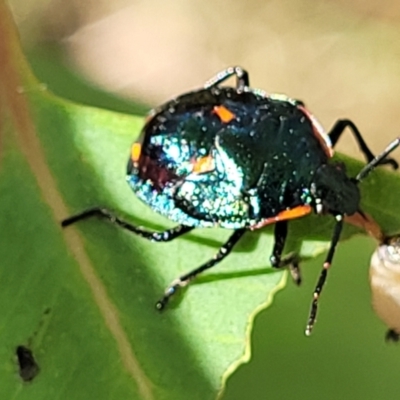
(240, 159)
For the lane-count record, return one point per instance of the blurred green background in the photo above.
(341, 57)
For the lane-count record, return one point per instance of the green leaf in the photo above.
(82, 299)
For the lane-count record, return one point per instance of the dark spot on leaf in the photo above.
(28, 368)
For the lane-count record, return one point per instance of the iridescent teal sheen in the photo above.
(262, 161)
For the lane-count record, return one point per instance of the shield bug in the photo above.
(240, 159)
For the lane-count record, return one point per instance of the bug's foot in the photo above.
(290, 261)
(169, 292)
(392, 162)
(90, 212)
(392, 336)
(295, 271)
(309, 328)
(313, 314)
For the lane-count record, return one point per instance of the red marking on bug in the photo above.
(319, 132)
(224, 114)
(203, 164)
(296, 212)
(366, 222)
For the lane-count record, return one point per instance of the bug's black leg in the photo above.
(339, 128)
(378, 160)
(164, 236)
(322, 278)
(392, 336)
(187, 278)
(291, 260)
(300, 102)
(242, 78)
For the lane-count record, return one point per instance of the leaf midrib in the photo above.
(14, 75)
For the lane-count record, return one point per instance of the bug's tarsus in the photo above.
(322, 278)
(242, 78)
(340, 127)
(378, 160)
(291, 260)
(294, 268)
(164, 236)
(169, 292)
(184, 280)
(90, 212)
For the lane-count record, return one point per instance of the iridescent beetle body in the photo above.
(237, 158)
(219, 157)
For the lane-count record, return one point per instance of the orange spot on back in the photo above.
(203, 164)
(296, 212)
(136, 151)
(224, 114)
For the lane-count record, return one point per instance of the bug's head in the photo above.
(334, 192)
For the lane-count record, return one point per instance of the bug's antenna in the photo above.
(377, 160)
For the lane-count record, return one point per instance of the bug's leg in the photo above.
(300, 102)
(322, 278)
(392, 336)
(339, 128)
(187, 278)
(291, 260)
(378, 160)
(164, 236)
(242, 78)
